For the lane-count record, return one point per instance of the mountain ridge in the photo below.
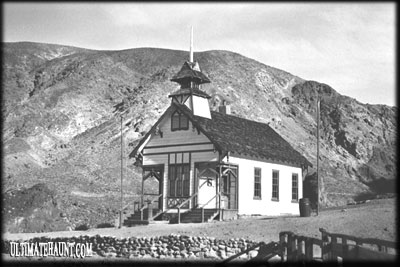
(62, 123)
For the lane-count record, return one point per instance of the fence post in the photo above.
(300, 246)
(333, 255)
(149, 210)
(325, 245)
(345, 249)
(202, 214)
(283, 246)
(358, 244)
(291, 253)
(179, 215)
(309, 249)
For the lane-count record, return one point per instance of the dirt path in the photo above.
(376, 219)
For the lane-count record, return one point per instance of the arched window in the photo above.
(179, 121)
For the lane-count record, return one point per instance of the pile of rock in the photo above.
(162, 247)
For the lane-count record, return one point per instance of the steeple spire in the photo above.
(191, 45)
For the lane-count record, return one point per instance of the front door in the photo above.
(229, 188)
(152, 184)
(205, 184)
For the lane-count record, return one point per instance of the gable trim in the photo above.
(144, 139)
(266, 160)
(217, 146)
(187, 151)
(182, 144)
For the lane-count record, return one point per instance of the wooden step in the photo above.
(194, 216)
(135, 218)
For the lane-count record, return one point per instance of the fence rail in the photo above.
(334, 247)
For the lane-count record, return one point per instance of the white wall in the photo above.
(201, 107)
(265, 206)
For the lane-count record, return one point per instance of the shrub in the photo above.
(82, 227)
(105, 225)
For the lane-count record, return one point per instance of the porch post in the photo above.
(142, 197)
(219, 188)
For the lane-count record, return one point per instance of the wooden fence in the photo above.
(334, 248)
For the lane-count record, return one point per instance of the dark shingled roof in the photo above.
(188, 71)
(242, 136)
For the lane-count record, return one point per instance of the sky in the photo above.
(350, 47)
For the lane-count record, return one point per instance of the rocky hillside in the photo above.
(61, 122)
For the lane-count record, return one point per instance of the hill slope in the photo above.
(61, 109)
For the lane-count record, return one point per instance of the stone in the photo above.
(111, 255)
(243, 256)
(253, 253)
(223, 254)
(230, 254)
(200, 254)
(211, 254)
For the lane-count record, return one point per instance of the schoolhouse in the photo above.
(213, 165)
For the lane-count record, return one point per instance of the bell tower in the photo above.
(190, 78)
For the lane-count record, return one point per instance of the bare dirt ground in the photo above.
(375, 219)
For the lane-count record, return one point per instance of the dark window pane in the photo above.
(184, 122)
(175, 121)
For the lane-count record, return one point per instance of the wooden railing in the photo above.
(147, 205)
(202, 207)
(183, 203)
(350, 248)
(265, 252)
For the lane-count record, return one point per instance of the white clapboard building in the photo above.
(213, 165)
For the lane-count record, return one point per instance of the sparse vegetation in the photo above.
(83, 87)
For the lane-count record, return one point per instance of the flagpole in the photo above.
(122, 172)
(318, 182)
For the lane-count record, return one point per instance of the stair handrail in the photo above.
(202, 207)
(183, 203)
(146, 205)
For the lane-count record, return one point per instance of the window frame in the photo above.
(295, 187)
(180, 117)
(275, 185)
(257, 181)
(179, 186)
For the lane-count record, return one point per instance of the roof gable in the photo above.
(237, 135)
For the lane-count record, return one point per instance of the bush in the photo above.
(82, 227)
(105, 225)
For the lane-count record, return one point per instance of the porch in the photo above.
(166, 198)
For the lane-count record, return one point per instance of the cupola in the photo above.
(190, 78)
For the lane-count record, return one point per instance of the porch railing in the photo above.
(183, 203)
(202, 207)
(147, 205)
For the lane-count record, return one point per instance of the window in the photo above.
(179, 121)
(178, 176)
(257, 183)
(295, 187)
(275, 185)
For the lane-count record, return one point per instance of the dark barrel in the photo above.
(305, 207)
